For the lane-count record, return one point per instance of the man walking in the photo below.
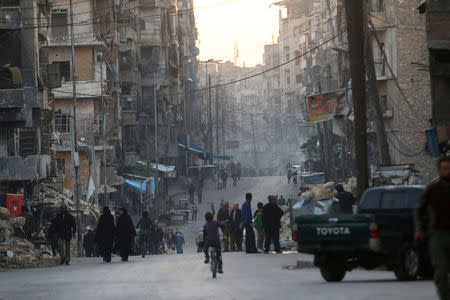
(125, 233)
(272, 214)
(235, 228)
(437, 198)
(194, 212)
(191, 191)
(65, 231)
(223, 215)
(247, 222)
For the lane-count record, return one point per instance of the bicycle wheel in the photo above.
(213, 263)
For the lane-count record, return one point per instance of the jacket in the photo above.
(247, 217)
(223, 214)
(211, 232)
(65, 226)
(236, 223)
(436, 196)
(272, 214)
(258, 216)
(346, 201)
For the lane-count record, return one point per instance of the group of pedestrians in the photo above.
(265, 220)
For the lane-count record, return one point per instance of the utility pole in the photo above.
(94, 162)
(254, 141)
(217, 120)
(156, 149)
(356, 25)
(223, 127)
(186, 134)
(75, 156)
(105, 178)
(209, 115)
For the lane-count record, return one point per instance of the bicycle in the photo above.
(213, 261)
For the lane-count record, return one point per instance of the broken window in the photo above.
(64, 69)
(62, 122)
(298, 78)
(382, 59)
(384, 104)
(61, 165)
(59, 23)
(297, 54)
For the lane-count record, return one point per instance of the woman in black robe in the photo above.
(105, 234)
(125, 233)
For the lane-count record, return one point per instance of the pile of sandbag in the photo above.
(15, 251)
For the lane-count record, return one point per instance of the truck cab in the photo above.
(380, 234)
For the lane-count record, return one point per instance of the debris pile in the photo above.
(285, 230)
(16, 251)
(323, 191)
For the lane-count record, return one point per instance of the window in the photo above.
(384, 104)
(59, 23)
(370, 200)
(382, 58)
(286, 51)
(62, 123)
(297, 54)
(61, 165)
(287, 77)
(64, 69)
(394, 199)
(298, 78)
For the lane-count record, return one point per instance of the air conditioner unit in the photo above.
(388, 114)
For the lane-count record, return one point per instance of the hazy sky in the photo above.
(221, 23)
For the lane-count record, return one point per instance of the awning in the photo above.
(140, 186)
(205, 154)
(161, 168)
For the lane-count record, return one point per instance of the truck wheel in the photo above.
(408, 263)
(332, 271)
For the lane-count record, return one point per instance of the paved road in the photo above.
(251, 277)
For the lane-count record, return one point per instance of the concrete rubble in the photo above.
(15, 251)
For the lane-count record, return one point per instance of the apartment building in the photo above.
(25, 130)
(97, 109)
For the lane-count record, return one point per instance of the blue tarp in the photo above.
(196, 148)
(137, 185)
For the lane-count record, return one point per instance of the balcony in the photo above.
(81, 39)
(16, 168)
(85, 89)
(150, 37)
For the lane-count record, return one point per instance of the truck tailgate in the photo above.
(333, 233)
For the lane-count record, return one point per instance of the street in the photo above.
(256, 276)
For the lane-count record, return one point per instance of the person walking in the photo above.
(235, 228)
(346, 200)
(194, 212)
(179, 241)
(224, 177)
(247, 222)
(437, 198)
(213, 210)
(106, 230)
(158, 238)
(125, 234)
(258, 216)
(191, 191)
(89, 244)
(145, 225)
(65, 231)
(271, 217)
(199, 193)
(223, 215)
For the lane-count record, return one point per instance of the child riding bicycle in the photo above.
(211, 238)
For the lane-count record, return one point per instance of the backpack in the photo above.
(257, 222)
